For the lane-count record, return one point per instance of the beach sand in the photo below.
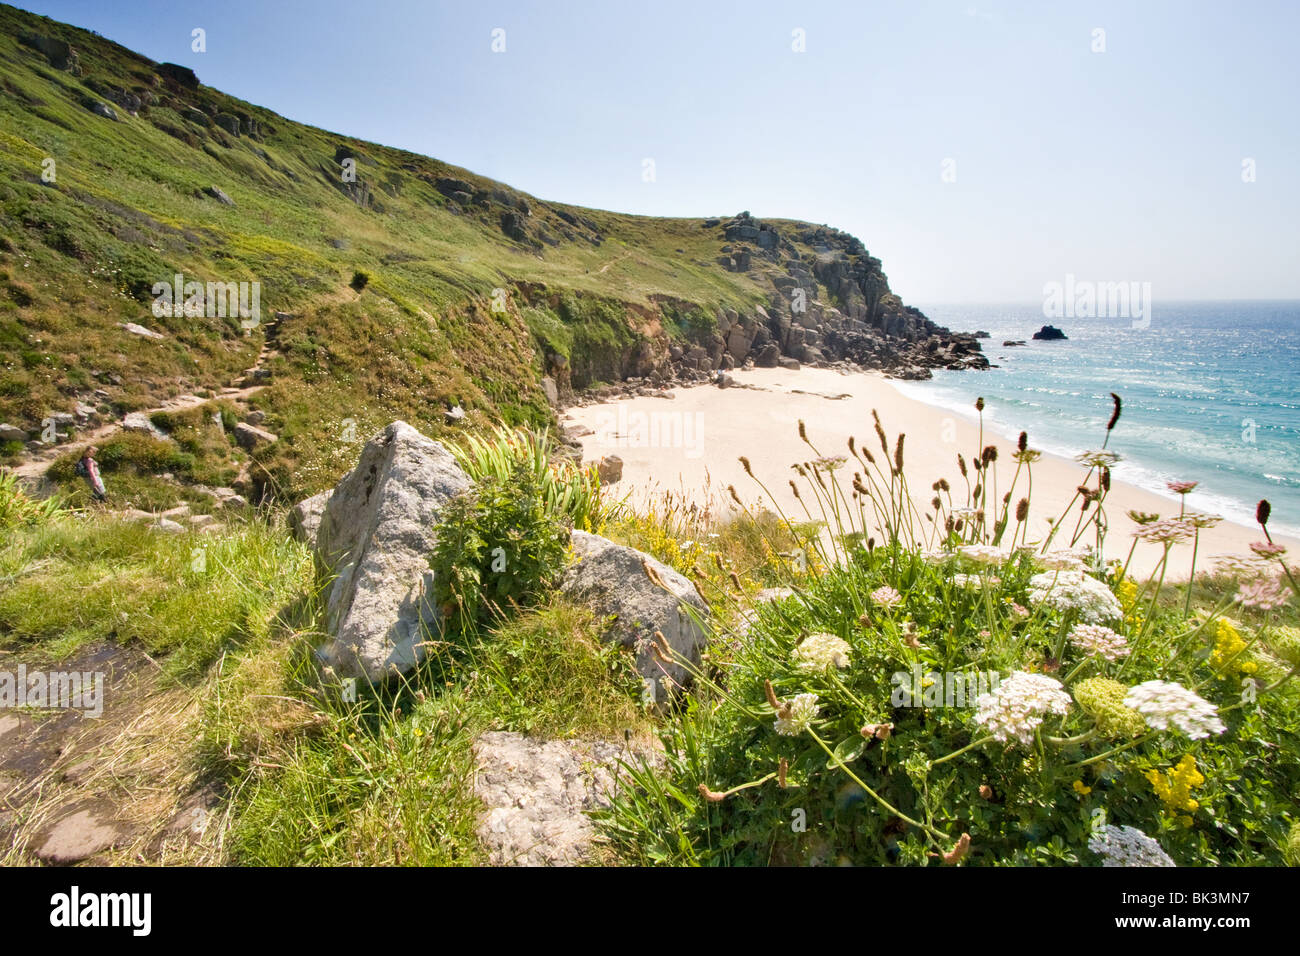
(690, 446)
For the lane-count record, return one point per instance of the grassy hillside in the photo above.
(117, 173)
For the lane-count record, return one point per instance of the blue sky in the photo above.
(1117, 165)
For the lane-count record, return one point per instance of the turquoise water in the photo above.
(1211, 394)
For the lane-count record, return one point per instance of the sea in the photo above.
(1211, 393)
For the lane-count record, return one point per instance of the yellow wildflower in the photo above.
(1081, 788)
(1175, 788)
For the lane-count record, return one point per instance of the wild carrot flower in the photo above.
(1181, 487)
(1127, 846)
(1164, 703)
(1165, 531)
(1060, 561)
(1102, 641)
(1099, 458)
(1199, 520)
(1102, 699)
(975, 580)
(1265, 594)
(886, 596)
(983, 554)
(1075, 591)
(796, 715)
(820, 651)
(1240, 566)
(1142, 517)
(1268, 549)
(1014, 710)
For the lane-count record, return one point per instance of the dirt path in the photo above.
(34, 468)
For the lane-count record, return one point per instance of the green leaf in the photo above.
(847, 750)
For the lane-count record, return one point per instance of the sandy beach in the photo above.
(690, 445)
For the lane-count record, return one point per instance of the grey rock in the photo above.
(250, 436)
(219, 195)
(643, 596)
(139, 422)
(537, 794)
(453, 415)
(140, 330)
(304, 518)
(375, 536)
(167, 526)
(12, 433)
(76, 837)
(552, 393)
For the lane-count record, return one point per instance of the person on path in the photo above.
(88, 468)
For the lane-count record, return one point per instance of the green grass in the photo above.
(189, 596)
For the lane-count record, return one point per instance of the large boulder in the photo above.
(639, 596)
(375, 535)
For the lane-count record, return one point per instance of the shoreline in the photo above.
(689, 446)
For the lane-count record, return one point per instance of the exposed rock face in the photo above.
(57, 52)
(643, 596)
(375, 535)
(537, 793)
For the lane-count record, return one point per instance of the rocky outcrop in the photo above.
(639, 597)
(1049, 333)
(374, 536)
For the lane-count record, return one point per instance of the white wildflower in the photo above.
(819, 651)
(1075, 591)
(1015, 709)
(1102, 641)
(796, 715)
(983, 554)
(1162, 703)
(1097, 458)
(1127, 846)
(975, 580)
(886, 596)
